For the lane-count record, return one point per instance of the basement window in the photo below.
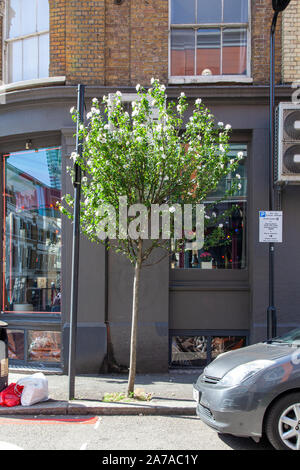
(196, 351)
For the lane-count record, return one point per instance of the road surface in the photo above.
(116, 433)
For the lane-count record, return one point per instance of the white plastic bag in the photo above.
(35, 389)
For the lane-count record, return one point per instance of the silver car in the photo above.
(254, 391)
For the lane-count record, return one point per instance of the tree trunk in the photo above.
(134, 321)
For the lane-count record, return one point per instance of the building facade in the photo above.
(192, 307)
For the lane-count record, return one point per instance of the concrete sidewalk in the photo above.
(172, 394)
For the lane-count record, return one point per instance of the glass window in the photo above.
(189, 351)
(235, 11)
(221, 35)
(222, 344)
(44, 57)
(42, 15)
(28, 17)
(13, 18)
(234, 51)
(27, 39)
(30, 58)
(16, 344)
(208, 51)
(209, 12)
(183, 52)
(32, 231)
(44, 346)
(183, 12)
(225, 226)
(15, 61)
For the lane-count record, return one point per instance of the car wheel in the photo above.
(283, 423)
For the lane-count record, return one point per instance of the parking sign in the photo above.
(270, 226)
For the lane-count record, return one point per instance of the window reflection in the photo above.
(219, 28)
(183, 52)
(32, 235)
(222, 344)
(183, 11)
(208, 51)
(235, 11)
(27, 39)
(234, 51)
(209, 12)
(198, 350)
(16, 344)
(189, 351)
(225, 226)
(44, 346)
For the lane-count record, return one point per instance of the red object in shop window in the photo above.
(11, 396)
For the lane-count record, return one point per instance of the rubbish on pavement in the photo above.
(11, 395)
(35, 389)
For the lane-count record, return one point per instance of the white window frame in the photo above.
(7, 41)
(188, 79)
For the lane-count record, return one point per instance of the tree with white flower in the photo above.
(148, 162)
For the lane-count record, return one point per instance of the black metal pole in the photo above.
(75, 249)
(271, 312)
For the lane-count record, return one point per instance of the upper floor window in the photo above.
(209, 37)
(27, 39)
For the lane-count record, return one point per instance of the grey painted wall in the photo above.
(152, 349)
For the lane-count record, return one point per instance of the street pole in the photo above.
(271, 312)
(278, 6)
(75, 248)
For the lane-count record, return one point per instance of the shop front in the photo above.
(31, 274)
(201, 302)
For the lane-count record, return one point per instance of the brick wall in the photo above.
(85, 41)
(136, 39)
(57, 25)
(117, 43)
(149, 40)
(102, 43)
(291, 42)
(262, 15)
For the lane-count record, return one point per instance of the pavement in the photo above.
(172, 394)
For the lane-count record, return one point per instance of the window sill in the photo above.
(34, 83)
(190, 79)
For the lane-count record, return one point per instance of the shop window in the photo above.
(44, 346)
(16, 344)
(209, 38)
(29, 346)
(189, 351)
(225, 225)
(32, 231)
(27, 39)
(198, 351)
(222, 344)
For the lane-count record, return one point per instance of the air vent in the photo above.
(291, 160)
(287, 144)
(292, 125)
